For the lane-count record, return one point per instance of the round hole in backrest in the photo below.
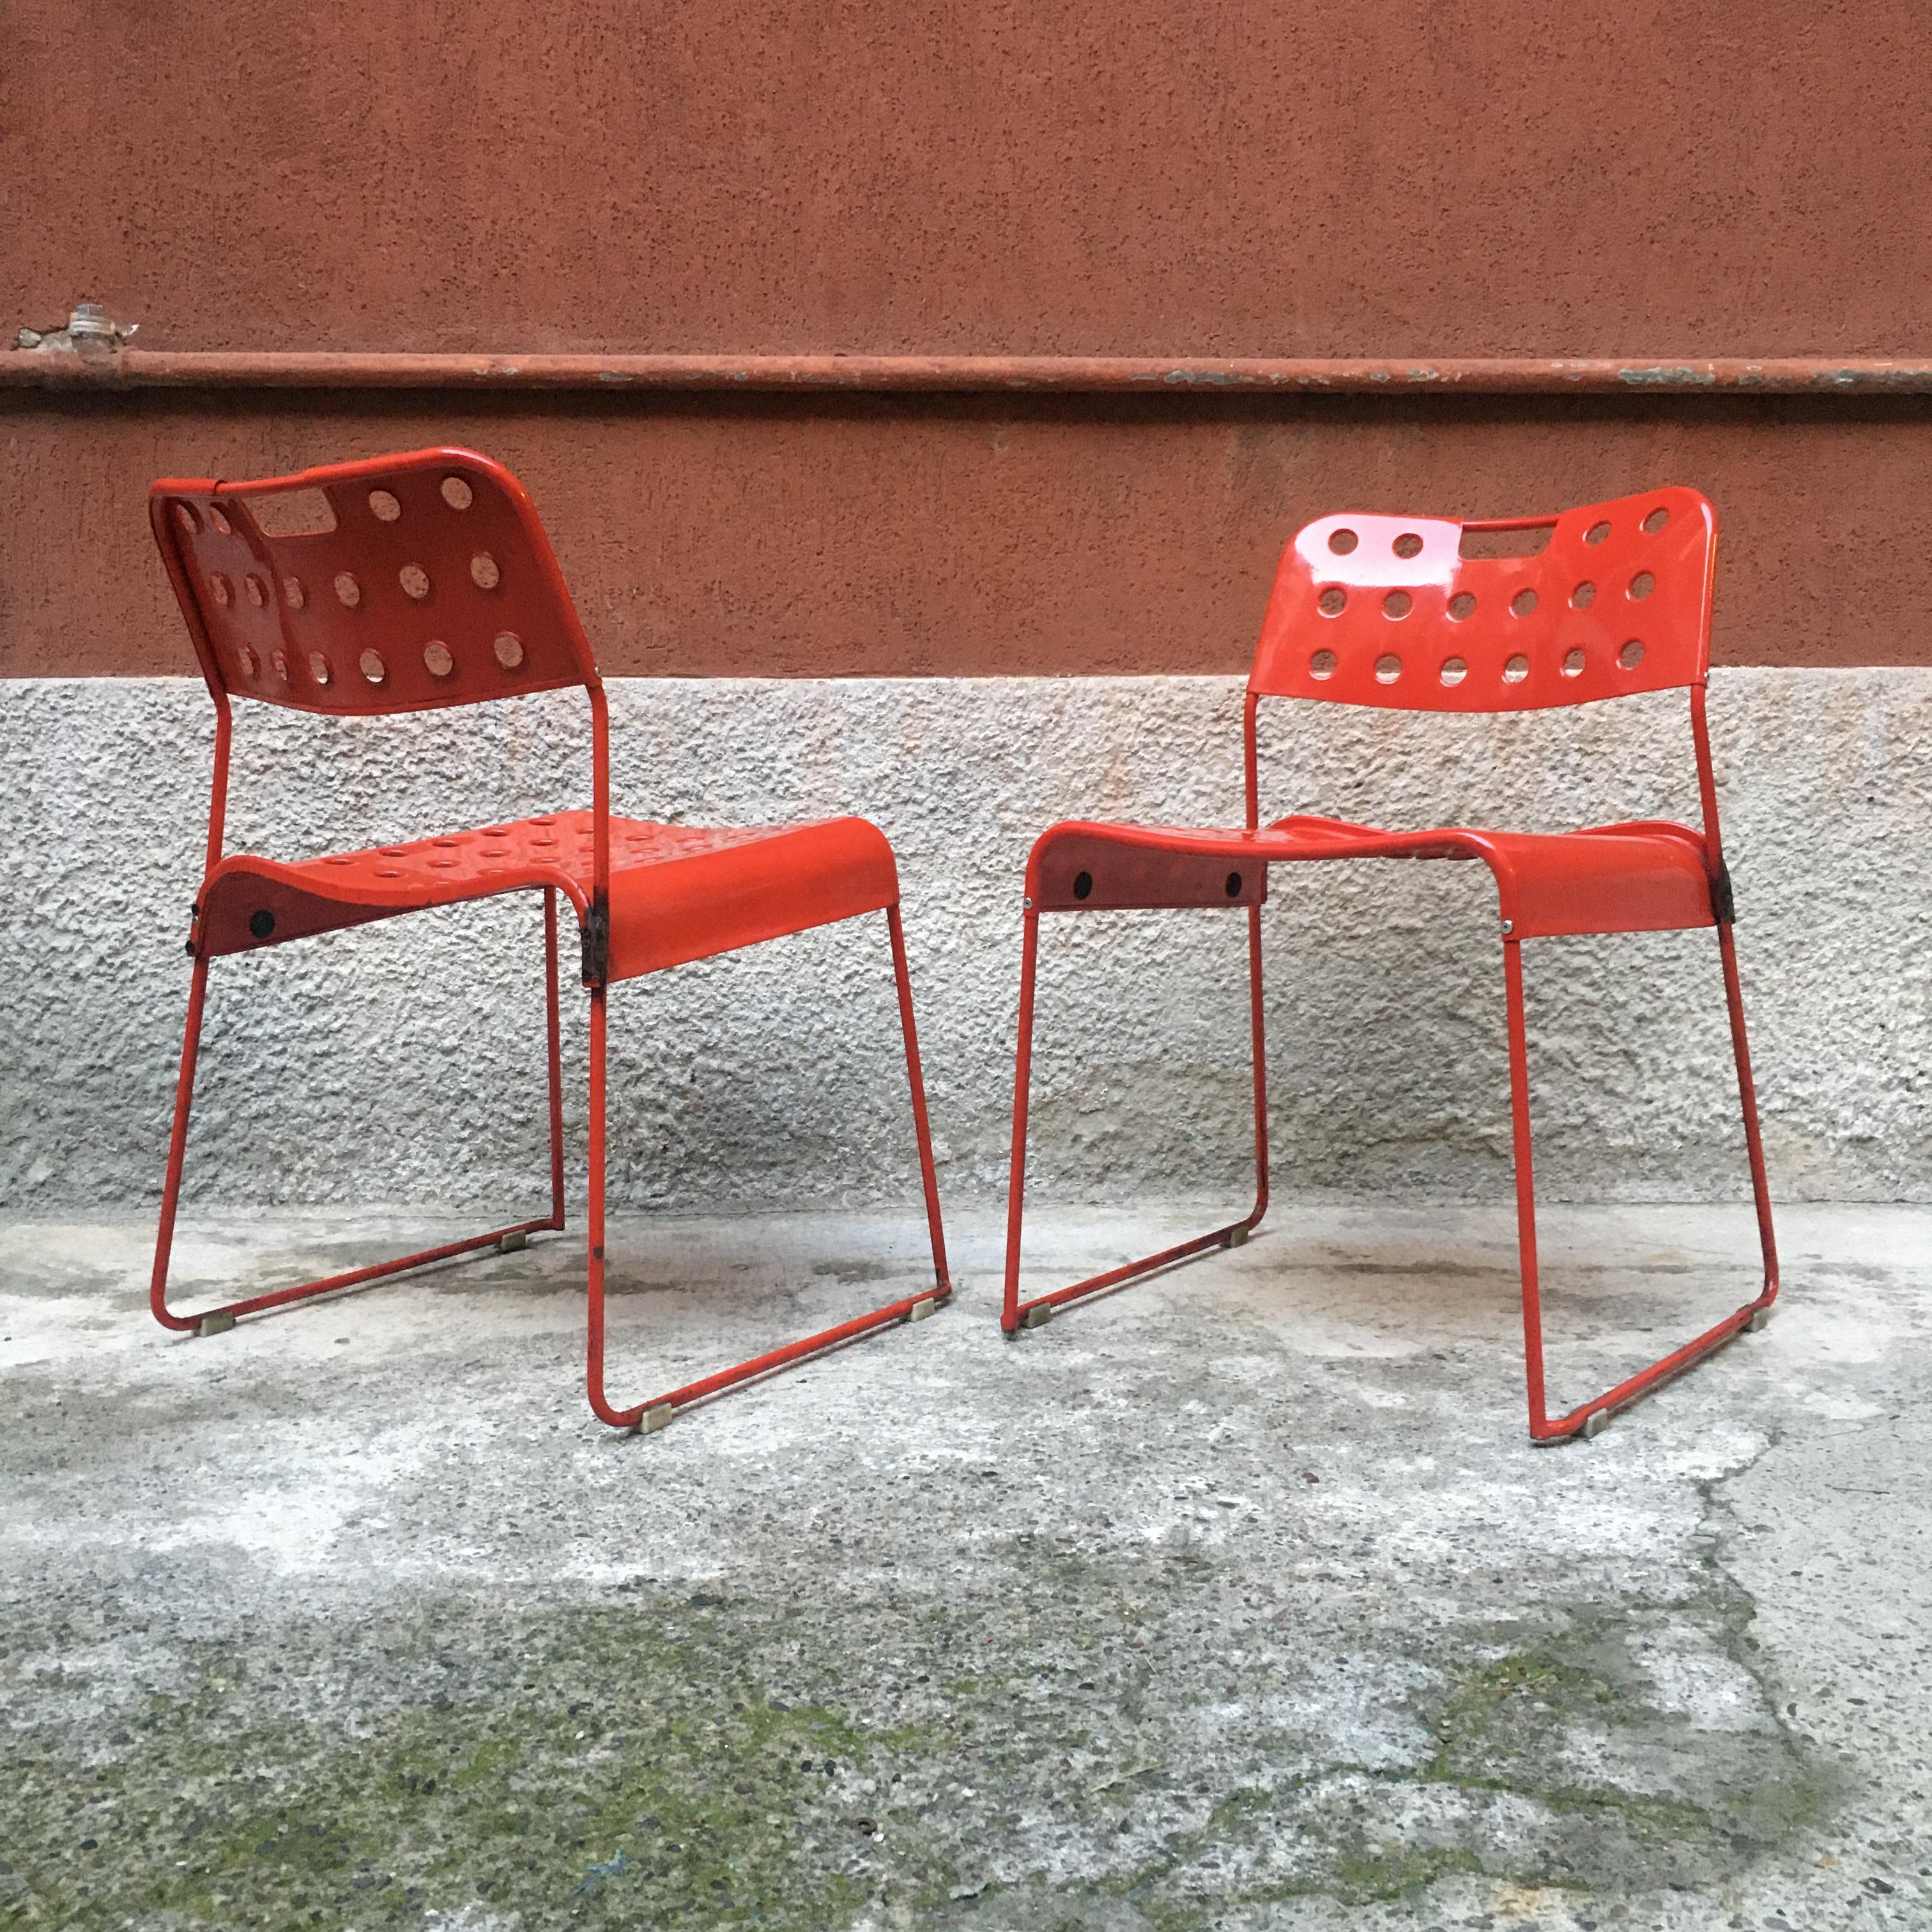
(1515, 670)
(509, 648)
(1342, 541)
(483, 570)
(220, 521)
(185, 515)
(384, 506)
(1631, 655)
(1083, 884)
(1454, 670)
(1641, 585)
(293, 595)
(1321, 666)
(1654, 522)
(1408, 544)
(457, 493)
(1397, 605)
(1388, 668)
(347, 589)
(436, 658)
(1573, 661)
(1232, 886)
(1461, 607)
(320, 669)
(1596, 533)
(1332, 602)
(217, 588)
(1523, 602)
(244, 656)
(258, 591)
(415, 581)
(372, 666)
(1583, 596)
(279, 659)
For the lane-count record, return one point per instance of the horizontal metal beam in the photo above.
(1112, 375)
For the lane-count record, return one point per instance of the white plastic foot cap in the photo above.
(652, 1420)
(215, 1324)
(1038, 1318)
(1595, 1423)
(508, 1244)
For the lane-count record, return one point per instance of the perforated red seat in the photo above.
(678, 893)
(419, 582)
(1649, 877)
(1387, 612)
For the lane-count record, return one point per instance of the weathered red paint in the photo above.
(1323, 178)
(625, 196)
(981, 535)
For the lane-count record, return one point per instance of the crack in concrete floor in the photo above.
(1237, 1600)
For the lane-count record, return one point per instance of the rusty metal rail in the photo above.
(1118, 375)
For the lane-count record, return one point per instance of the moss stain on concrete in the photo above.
(632, 1765)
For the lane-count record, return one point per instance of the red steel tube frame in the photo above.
(593, 914)
(659, 1410)
(1587, 1417)
(1015, 1313)
(226, 1313)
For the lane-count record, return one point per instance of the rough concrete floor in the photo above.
(1236, 1599)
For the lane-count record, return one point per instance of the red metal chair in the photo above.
(1386, 611)
(435, 587)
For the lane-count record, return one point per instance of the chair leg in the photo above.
(1734, 999)
(1588, 1417)
(554, 1024)
(660, 1410)
(164, 1235)
(600, 1403)
(922, 1126)
(1015, 1314)
(215, 1320)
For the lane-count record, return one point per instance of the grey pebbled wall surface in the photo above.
(402, 1063)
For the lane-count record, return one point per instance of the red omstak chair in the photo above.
(1387, 612)
(436, 587)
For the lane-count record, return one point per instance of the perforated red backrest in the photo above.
(1387, 610)
(436, 586)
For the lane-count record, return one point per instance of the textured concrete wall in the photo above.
(402, 1062)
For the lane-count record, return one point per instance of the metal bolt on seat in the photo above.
(215, 1324)
(513, 1243)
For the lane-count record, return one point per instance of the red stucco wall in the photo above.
(1321, 179)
